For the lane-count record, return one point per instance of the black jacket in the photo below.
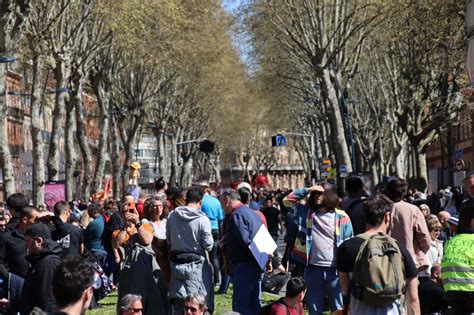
(37, 288)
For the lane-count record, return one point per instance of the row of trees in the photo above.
(375, 81)
(163, 67)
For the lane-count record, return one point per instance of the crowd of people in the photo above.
(392, 251)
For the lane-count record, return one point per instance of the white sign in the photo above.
(459, 178)
(262, 245)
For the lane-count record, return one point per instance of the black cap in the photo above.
(39, 230)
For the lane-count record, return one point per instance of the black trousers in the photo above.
(276, 282)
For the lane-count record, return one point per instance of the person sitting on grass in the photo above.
(291, 304)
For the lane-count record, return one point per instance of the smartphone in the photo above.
(131, 206)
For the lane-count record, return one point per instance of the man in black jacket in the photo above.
(44, 255)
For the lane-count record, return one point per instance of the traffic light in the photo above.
(206, 146)
(279, 141)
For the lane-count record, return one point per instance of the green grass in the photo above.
(223, 303)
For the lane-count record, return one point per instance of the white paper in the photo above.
(262, 245)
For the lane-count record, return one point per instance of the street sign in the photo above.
(459, 178)
(459, 165)
(343, 171)
(279, 141)
(458, 154)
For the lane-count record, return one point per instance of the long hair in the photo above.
(331, 200)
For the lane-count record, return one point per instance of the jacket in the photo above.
(141, 274)
(408, 226)
(38, 281)
(457, 268)
(188, 233)
(301, 229)
(244, 223)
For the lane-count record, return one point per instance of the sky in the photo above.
(241, 40)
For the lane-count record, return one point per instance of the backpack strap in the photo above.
(354, 204)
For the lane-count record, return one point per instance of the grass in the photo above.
(223, 303)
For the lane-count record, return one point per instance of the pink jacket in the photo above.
(408, 226)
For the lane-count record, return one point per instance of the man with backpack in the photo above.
(382, 269)
(291, 304)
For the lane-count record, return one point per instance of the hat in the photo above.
(135, 165)
(454, 220)
(244, 185)
(204, 183)
(39, 230)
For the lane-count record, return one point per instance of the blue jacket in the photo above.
(244, 224)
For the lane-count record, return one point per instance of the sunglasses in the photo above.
(318, 193)
(437, 230)
(135, 310)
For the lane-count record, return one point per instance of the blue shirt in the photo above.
(212, 208)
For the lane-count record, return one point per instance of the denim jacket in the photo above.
(302, 231)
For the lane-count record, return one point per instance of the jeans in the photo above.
(247, 278)
(214, 256)
(322, 281)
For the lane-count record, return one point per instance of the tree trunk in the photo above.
(174, 162)
(115, 156)
(5, 156)
(103, 98)
(161, 153)
(62, 73)
(71, 156)
(337, 126)
(186, 178)
(36, 132)
(83, 140)
(421, 169)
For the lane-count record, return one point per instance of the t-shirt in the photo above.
(323, 249)
(71, 242)
(282, 309)
(347, 254)
(356, 213)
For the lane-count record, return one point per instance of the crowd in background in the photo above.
(171, 251)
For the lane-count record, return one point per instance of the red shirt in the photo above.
(282, 309)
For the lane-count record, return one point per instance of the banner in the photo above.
(54, 192)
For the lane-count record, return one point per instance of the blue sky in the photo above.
(241, 40)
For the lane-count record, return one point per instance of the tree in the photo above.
(13, 17)
(321, 38)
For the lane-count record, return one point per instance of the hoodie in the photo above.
(38, 281)
(188, 230)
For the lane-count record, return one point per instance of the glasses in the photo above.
(318, 193)
(437, 230)
(135, 310)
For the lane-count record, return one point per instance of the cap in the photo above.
(39, 230)
(244, 185)
(454, 220)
